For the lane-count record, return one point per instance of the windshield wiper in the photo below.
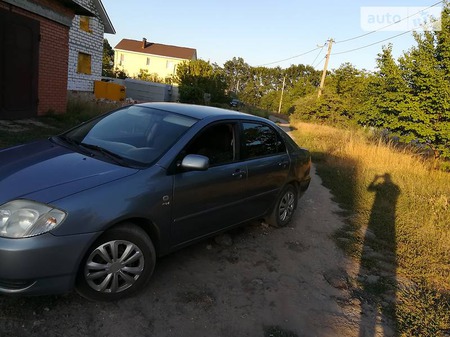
(68, 140)
(107, 153)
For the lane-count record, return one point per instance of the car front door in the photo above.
(208, 201)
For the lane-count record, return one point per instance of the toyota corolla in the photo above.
(94, 207)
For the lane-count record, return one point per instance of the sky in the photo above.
(270, 32)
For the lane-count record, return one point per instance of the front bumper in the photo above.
(41, 265)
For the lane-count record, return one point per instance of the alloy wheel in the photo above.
(286, 206)
(114, 266)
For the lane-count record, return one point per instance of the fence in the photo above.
(144, 91)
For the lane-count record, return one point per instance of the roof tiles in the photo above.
(157, 49)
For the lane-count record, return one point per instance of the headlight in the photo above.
(24, 218)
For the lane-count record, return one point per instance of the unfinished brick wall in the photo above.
(90, 43)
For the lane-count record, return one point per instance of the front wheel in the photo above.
(284, 208)
(118, 264)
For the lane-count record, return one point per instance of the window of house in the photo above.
(84, 23)
(169, 65)
(122, 59)
(148, 61)
(84, 63)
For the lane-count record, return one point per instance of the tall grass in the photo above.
(406, 227)
(79, 109)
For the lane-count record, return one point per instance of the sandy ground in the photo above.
(254, 281)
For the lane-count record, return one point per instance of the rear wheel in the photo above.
(284, 208)
(118, 264)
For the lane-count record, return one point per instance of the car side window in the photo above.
(260, 140)
(215, 142)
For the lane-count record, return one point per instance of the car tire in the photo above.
(284, 208)
(117, 265)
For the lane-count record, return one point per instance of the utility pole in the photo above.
(282, 92)
(325, 67)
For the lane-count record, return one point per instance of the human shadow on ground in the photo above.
(378, 266)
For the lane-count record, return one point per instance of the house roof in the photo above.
(157, 49)
(79, 10)
(109, 28)
(47, 11)
(101, 13)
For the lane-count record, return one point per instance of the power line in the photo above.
(357, 37)
(320, 51)
(319, 63)
(392, 24)
(372, 44)
(290, 58)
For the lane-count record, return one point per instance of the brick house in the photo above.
(131, 56)
(34, 38)
(86, 46)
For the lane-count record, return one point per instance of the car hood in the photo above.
(45, 172)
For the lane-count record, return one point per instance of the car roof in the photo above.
(197, 111)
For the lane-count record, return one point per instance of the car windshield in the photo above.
(132, 135)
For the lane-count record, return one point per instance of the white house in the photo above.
(86, 46)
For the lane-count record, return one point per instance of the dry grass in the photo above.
(416, 205)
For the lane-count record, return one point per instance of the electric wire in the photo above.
(357, 37)
(371, 44)
(320, 51)
(290, 58)
(320, 61)
(392, 24)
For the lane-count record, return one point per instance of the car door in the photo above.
(267, 162)
(207, 201)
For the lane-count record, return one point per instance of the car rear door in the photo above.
(267, 161)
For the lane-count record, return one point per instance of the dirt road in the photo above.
(255, 281)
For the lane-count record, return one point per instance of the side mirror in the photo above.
(195, 162)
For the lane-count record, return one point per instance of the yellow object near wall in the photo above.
(109, 90)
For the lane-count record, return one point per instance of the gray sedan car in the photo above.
(94, 207)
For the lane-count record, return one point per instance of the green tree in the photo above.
(430, 89)
(108, 59)
(236, 72)
(342, 99)
(119, 73)
(144, 75)
(197, 78)
(443, 57)
(411, 99)
(389, 95)
(350, 85)
(326, 109)
(261, 86)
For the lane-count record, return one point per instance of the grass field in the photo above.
(397, 223)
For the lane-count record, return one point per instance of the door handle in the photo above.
(239, 174)
(283, 164)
